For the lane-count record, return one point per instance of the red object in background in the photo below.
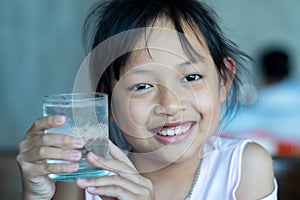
(275, 146)
(288, 148)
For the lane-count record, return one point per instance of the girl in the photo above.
(173, 77)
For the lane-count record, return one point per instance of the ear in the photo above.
(227, 78)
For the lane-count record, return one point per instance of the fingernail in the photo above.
(59, 119)
(77, 142)
(82, 180)
(74, 166)
(75, 155)
(91, 189)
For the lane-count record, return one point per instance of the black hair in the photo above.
(109, 18)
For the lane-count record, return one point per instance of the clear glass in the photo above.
(86, 118)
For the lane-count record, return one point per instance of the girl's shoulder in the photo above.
(257, 173)
(227, 165)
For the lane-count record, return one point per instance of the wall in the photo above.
(41, 50)
(257, 24)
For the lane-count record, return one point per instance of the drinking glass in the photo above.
(86, 118)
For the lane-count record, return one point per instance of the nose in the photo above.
(169, 102)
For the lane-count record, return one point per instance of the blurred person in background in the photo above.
(273, 114)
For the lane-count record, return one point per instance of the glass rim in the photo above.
(74, 97)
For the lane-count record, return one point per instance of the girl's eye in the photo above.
(142, 86)
(191, 77)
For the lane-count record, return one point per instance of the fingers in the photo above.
(43, 123)
(43, 169)
(35, 137)
(127, 184)
(116, 186)
(117, 166)
(117, 154)
(120, 168)
(33, 162)
(116, 180)
(41, 153)
(54, 140)
(37, 147)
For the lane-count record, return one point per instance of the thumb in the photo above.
(118, 154)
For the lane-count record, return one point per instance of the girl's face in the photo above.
(166, 104)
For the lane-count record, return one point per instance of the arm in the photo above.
(257, 176)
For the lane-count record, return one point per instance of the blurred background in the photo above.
(42, 49)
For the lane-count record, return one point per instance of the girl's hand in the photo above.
(127, 184)
(36, 148)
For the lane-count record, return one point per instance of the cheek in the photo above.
(139, 113)
(207, 103)
(208, 106)
(207, 98)
(131, 115)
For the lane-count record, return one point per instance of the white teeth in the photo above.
(173, 132)
(177, 131)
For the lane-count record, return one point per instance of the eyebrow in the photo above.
(193, 59)
(139, 71)
(191, 62)
(186, 63)
(183, 64)
(136, 72)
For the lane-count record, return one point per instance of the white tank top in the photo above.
(219, 174)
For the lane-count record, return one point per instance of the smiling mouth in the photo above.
(174, 130)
